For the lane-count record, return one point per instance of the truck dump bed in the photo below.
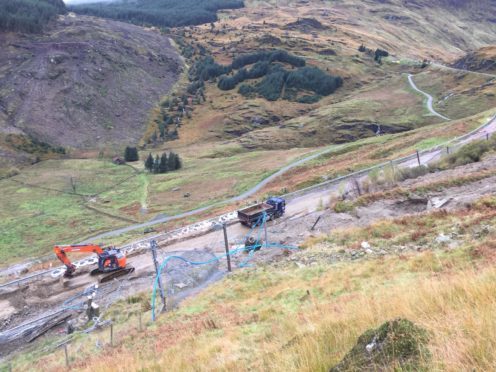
(251, 214)
(255, 209)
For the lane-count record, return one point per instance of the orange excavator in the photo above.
(110, 260)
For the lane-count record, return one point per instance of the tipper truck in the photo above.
(274, 208)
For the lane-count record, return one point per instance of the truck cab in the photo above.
(279, 205)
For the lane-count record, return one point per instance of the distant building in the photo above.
(117, 160)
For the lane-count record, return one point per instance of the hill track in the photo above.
(429, 98)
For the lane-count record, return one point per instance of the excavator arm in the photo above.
(62, 250)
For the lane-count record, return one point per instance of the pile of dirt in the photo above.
(83, 83)
(395, 345)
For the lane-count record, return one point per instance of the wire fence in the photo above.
(104, 296)
(425, 156)
(113, 290)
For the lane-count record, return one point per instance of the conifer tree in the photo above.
(171, 163)
(177, 163)
(156, 164)
(131, 154)
(149, 162)
(164, 166)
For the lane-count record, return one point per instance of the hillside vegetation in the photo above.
(306, 311)
(28, 15)
(164, 13)
(268, 67)
(84, 83)
(482, 60)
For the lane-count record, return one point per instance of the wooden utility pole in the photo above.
(418, 157)
(153, 247)
(226, 243)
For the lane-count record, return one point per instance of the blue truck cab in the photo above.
(279, 205)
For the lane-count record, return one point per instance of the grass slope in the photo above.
(287, 317)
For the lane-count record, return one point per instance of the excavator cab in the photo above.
(110, 260)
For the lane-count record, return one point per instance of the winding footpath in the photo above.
(429, 98)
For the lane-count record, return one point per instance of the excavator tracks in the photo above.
(113, 274)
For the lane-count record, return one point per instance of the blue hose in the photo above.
(250, 249)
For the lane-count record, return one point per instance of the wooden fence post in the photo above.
(66, 352)
(111, 334)
(153, 246)
(226, 243)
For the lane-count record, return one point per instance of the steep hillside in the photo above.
(482, 60)
(328, 36)
(84, 82)
(422, 249)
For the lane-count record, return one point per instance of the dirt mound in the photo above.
(84, 82)
(397, 344)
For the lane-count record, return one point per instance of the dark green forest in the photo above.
(28, 15)
(268, 65)
(161, 13)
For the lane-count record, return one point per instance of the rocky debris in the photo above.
(483, 60)
(180, 275)
(443, 239)
(396, 345)
(437, 203)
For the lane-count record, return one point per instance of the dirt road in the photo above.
(429, 98)
(426, 157)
